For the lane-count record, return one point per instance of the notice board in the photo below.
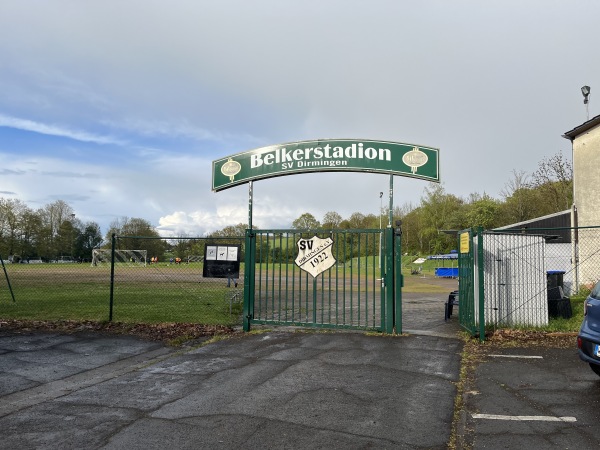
(221, 261)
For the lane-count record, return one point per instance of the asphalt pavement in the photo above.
(535, 398)
(280, 390)
(294, 389)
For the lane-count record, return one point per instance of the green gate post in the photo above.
(398, 276)
(249, 269)
(480, 281)
(389, 280)
(112, 276)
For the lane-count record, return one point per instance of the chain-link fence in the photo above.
(141, 280)
(531, 275)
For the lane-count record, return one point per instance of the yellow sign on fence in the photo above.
(464, 242)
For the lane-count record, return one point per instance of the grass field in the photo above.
(154, 293)
(179, 293)
(141, 294)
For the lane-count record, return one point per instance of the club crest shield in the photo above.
(314, 255)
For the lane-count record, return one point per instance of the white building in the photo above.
(585, 141)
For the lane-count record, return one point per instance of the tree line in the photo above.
(428, 228)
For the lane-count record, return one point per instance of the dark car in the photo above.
(588, 340)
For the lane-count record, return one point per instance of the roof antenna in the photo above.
(585, 90)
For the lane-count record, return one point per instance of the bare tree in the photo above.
(554, 180)
(332, 220)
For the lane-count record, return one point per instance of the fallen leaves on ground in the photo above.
(531, 338)
(167, 332)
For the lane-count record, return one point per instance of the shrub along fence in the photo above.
(140, 279)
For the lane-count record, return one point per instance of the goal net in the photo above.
(101, 256)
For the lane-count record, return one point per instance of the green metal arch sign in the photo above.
(327, 155)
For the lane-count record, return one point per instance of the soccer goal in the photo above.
(101, 256)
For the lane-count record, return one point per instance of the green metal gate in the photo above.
(470, 281)
(361, 290)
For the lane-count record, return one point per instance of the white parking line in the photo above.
(518, 356)
(525, 418)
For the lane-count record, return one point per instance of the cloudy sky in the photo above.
(119, 107)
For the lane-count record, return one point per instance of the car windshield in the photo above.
(596, 291)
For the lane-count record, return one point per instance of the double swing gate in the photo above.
(359, 288)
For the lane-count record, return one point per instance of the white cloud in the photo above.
(56, 130)
(486, 84)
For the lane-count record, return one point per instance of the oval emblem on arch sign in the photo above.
(231, 168)
(415, 159)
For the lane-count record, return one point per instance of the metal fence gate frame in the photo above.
(361, 291)
(470, 285)
(505, 275)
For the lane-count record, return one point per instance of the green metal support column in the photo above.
(249, 263)
(480, 275)
(249, 270)
(389, 280)
(112, 276)
(398, 277)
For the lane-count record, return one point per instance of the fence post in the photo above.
(7, 280)
(480, 275)
(112, 276)
(398, 277)
(249, 268)
(389, 280)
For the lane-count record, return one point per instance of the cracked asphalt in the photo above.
(537, 398)
(293, 389)
(279, 389)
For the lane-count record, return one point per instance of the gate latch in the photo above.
(382, 282)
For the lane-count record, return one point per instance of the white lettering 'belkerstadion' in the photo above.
(354, 151)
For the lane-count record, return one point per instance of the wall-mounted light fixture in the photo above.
(585, 90)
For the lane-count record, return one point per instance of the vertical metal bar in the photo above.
(337, 280)
(344, 279)
(268, 281)
(112, 277)
(7, 280)
(383, 281)
(259, 239)
(480, 275)
(250, 202)
(294, 283)
(351, 278)
(391, 211)
(314, 313)
(249, 268)
(359, 266)
(389, 282)
(306, 291)
(331, 271)
(322, 276)
(280, 271)
(366, 279)
(399, 281)
(374, 277)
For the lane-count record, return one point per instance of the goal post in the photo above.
(102, 256)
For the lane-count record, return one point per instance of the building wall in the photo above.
(586, 196)
(586, 177)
